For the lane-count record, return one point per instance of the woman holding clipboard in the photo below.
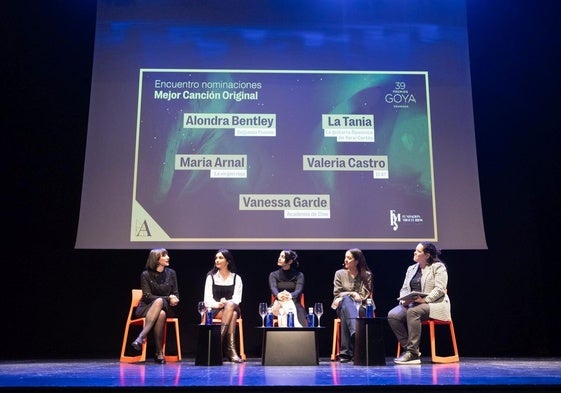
(422, 296)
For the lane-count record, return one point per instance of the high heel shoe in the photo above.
(159, 358)
(137, 344)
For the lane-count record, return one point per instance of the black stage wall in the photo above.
(61, 302)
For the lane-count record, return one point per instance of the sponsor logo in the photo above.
(397, 218)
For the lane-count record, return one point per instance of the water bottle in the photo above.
(290, 319)
(311, 317)
(269, 317)
(208, 319)
(369, 308)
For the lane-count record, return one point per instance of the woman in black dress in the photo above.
(160, 296)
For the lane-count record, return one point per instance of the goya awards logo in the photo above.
(400, 96)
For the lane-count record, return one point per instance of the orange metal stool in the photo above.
(435, 358)
(136, 296)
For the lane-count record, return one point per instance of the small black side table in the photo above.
(369, 342)
(284, 346)
(209, 348)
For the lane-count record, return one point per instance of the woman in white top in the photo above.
(223, 293)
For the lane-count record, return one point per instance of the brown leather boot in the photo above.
(231, 353)
(223, 331)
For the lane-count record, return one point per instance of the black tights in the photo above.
(155, 318)
(229, 316)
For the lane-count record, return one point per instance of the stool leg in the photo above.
(177, 339)
(132, 359)
(172, 358)
(454, 344)
(240, 339)
(432, 340)
(336, 347)
(443, 359)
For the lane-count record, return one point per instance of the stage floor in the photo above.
(471, 374)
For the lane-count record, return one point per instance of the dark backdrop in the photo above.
(61, 302)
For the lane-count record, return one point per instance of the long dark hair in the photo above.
(229, 258)
(363, 269)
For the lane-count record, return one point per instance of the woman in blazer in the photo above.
(429, 276)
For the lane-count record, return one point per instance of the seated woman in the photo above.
(427, 275)
(351, 287)
(287, 284)
(223, 293)
(160, 297)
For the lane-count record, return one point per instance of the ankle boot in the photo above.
(231, 349)
(137, 344)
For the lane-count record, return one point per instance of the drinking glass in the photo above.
(201, 309)
(318, 310)
(281, 320)
(262, 312)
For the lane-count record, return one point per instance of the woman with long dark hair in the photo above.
(223, 293)
(287, 284)
(352, 285)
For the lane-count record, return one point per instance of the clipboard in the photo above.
(412, 295)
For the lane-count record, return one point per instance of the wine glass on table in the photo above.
(281, 320)
(262, 312)
(318, 310)
(201, 308)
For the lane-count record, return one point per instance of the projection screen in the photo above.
(257, 124)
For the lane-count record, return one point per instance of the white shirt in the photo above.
(219, 280)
